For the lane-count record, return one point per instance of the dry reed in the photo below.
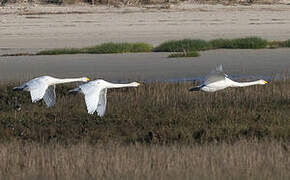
(158, 113)
(241, 160)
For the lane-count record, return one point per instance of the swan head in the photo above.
(135, 84)
(262, 82)
(85, 79)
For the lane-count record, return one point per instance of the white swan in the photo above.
(218, 80)
(96, 94)
(44, 87)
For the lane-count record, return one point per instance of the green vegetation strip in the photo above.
(197, 44)
(106, 48)
(187, 47)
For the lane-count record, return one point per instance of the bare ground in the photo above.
(28, 28)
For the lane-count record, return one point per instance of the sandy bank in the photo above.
(32, 28)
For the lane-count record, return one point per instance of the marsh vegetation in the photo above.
(240, 160)
(105, 48)
(162, 113)
(178, 48)
(156, 131)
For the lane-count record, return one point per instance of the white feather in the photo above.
(49, 96)
(96, 94)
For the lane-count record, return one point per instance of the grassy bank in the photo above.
(106, 48)
(241, 160)
(196, 44)
(180, 48)
(158, 113)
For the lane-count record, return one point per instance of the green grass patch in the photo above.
(285, 43)
(181, 45)
(184, 54)
(60, 51)
(220, 43)
(279, 44)
(239, 43)
(197, 45)
(246, 43)
(274, 44)
(190, 46)
(106, 48)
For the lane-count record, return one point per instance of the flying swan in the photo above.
(44, 88)
(96, 94)
(218, 80)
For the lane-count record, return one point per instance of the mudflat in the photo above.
(29, 28)
(148, 66)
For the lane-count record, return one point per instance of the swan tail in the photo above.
(194, 89)
(19, 88)
(197, 88)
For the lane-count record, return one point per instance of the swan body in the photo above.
(218, 80)
(44, 88)
(95, 93)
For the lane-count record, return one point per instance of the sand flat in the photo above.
(31, 28)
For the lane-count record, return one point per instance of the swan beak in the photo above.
(88, 79)
(138, 84)
(266, 82)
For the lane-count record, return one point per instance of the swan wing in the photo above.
(37, 88)
(92, 96)
(102, 102)
(215, 75)
(49, 96)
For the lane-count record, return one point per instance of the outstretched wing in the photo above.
(49, 96)
(102, 102)
(215, 75)
(37, 89)
(92, 96)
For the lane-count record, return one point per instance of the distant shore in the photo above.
(30, 28)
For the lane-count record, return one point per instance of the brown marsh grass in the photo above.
(241, 160)
(155, 131)
(157, 113)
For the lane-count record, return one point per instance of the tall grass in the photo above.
(241, 160)
(286, 43)
(175, 46)
(181, 45)
(192, 44)
(246, 43)
(158, 113)
(106, 48)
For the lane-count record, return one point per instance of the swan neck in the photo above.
(121, 85)
(68, 80)
(244, 84)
